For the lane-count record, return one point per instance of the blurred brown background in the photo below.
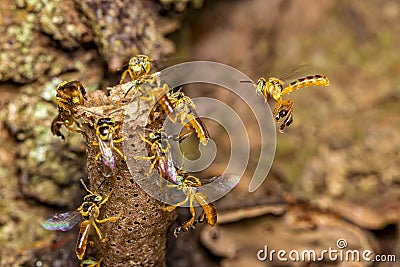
(335, 173)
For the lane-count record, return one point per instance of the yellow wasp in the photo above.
(106, 132)
(190, 187)
(275, 88)
(89, 211)
(138, 66)
(69, 95)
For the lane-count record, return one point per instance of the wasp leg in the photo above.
(144, 157)
(99, 232)
(146, 140)
(109, 219)
(201, 218)
(284, 108)
(188, 132)
(120, 153)
(188, 224)
(153, 164)
(97, 157)
(148, 158)
(123, 76)
(172, 207)
(119, 140)
(105, 199)
(73, 129)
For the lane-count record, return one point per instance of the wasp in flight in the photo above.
(106, 131)
(89, 211)
(68, 96)
(189, 185)
(276, 89)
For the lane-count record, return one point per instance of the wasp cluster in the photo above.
(134, 212)
(138, 219)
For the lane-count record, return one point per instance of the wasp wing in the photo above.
(62, 221)
(106, 148)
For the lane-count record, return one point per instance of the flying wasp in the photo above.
(89, 211)
(276, 89)
(68, 96)
(189, 186)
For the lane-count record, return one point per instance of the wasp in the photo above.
(65, 118)
(89, 211)
(157, 149)
(68, 96)
(276, 89)
(106, 131)
(179, 106)
(138, 66)
(189, 185)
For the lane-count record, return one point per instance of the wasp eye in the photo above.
(283, 113)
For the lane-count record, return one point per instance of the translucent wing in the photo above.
(106, 153)
(296, 72)
(219, 184)
(62, 221)
(217, 187)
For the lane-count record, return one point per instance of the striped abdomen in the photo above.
(316, 80)
(199, 127)
(208, 207)
(82, 239)
(166, 104)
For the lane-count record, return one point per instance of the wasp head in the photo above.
(260, 86)
(72, 91)
(140, 65)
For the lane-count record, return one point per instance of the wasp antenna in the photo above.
(112, 102)
(92, 112)
(115, 111)
(102, 182)
(127, 91)
(84, 185)
(246, 81)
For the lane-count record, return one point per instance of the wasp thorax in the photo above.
(104, 131)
